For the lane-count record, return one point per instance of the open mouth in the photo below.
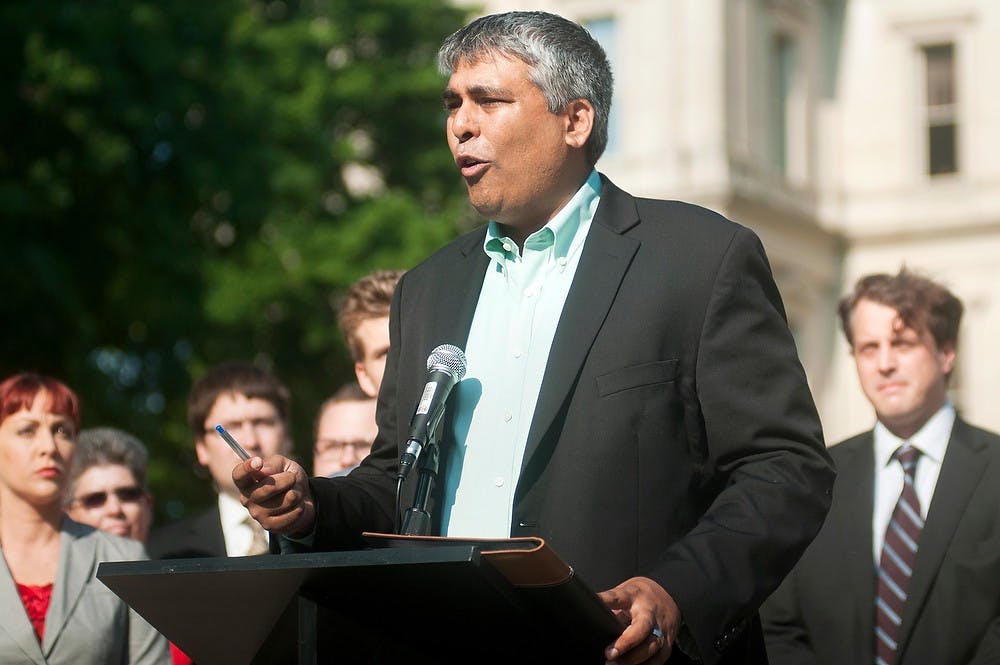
(471, 167)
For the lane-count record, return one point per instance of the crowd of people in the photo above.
(633, 395)
(71, 498)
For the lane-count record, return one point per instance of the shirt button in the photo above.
(507, 417)
(561, 261)
(498, 481)
(529, 292)
(517, 353)
(507, 247)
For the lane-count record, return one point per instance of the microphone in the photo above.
(445, 367)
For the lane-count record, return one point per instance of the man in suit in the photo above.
(633, 393)
(345, 431)
(906, 569)
(254, 407)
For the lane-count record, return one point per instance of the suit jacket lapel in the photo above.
(207, 533)
(960, 474)
(77, 564)
(858, 570)
(605, 259)
(15, 619)
(461, 283)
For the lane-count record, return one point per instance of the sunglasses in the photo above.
(98, 499)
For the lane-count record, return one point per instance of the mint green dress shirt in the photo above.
(508, 348)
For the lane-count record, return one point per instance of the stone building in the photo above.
(853, 136)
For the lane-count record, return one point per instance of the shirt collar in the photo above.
(231, 513)
(931, 439)
(565, 232)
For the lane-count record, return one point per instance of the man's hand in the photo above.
(276, 493)
(642, 605)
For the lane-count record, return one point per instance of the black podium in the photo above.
(438, 603)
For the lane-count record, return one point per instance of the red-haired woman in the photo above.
(54, 609)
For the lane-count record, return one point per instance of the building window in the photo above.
(783, 67)
(605, 32)
(942, 109)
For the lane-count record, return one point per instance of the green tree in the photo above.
(186, 182)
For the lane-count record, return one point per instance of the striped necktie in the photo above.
(896, 563)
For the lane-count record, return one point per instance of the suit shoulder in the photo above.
(698, 218)
(184, 524)
(109, 547)
(463, 244)
(185, 537)
(851, 445)
(985, 437)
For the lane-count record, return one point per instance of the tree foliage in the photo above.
(187, 182)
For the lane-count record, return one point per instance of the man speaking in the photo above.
(633, 394)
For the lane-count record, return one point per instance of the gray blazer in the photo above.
(86, 622)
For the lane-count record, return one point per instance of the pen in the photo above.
(233, 443)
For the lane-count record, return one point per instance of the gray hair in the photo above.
(566, 62)
(106, 445)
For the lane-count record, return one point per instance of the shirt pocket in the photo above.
(636, 376)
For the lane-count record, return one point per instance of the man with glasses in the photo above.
(345, 430)
(107, 485)
(254, 407)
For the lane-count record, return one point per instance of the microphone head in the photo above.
(448, 358)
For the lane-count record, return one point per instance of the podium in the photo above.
(436, 603)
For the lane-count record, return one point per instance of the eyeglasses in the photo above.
(94, 500)
(257, 424)
(328, 446)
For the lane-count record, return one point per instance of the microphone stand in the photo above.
(417, 521)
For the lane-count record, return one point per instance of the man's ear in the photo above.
(946, 356)
(364, 380)
(201, 450)
(579, 122)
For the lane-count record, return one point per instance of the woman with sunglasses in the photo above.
(107, 483)
(55, 611)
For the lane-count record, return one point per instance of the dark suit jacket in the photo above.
(674, 435)
(196, 536)
(824, 611)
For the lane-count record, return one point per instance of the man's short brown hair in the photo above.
(237, 377)
(349, 392)
(921, 303)
(368, 298)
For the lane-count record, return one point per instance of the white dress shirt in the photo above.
(932, 441)
(237, 533)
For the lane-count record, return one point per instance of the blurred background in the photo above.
(186, 182)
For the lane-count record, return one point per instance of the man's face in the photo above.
(344, 436)
(511, 150)
(254, 422)
(374, 337)
(107, 497)
(902, 371)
